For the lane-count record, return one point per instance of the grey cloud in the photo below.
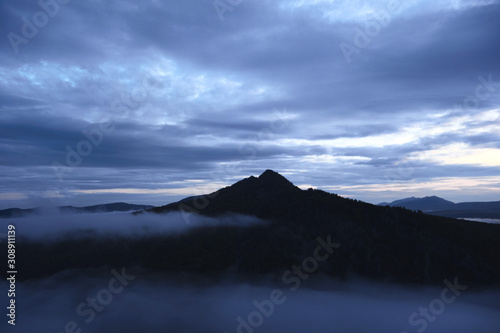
(93, 53)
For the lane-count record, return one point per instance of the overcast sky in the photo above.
(152, 101)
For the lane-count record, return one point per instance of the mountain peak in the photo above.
(271, 174)
(274, 179)
(251, 196)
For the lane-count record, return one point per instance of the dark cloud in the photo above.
(190, 95)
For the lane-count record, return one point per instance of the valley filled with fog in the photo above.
(134, 299)
(166, 304)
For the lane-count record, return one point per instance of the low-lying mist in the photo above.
(138, 300)
(139, 304)
(52, 225)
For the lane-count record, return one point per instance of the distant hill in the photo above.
(105, 208)
(423, 204)
(441, 207)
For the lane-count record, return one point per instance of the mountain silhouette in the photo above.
(441, 207)
(104, 208)
(382, 243)
(430, 203)
(263, 196)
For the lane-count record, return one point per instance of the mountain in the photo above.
(264, 197)
(441, 207)
(424, 204)
(383, 242)
(16, 212)
(380, 243)
(106, 208)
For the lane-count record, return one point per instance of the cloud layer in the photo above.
(152, 102)
(165, 304)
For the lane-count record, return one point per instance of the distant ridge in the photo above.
(425, 204)
(105, 208)
(441, 207)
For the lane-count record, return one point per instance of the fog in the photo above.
(161, 304)
(494, 221)
(53, 225)
(133, 300)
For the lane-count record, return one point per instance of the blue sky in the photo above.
(150, 102)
